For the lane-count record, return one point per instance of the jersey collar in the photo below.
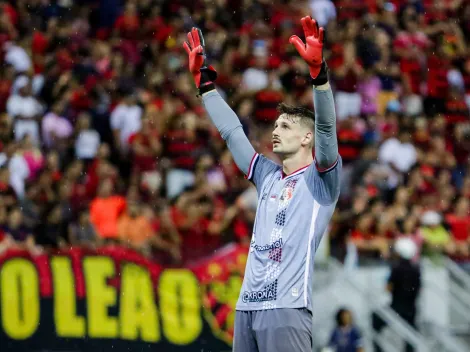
(299, 171)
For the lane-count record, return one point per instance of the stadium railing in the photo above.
(399, 326)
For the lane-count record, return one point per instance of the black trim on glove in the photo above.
(207, 87)
(322, 77)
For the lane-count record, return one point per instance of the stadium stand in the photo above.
(99, 115)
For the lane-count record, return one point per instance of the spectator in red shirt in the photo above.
(181, 144)
(366, 241)
(346, 73)
(266, 101)
(167, 240)
(127, 25)
(195, 219)
(459, 222)
(350, 141)
(410, 46)
(145, 147)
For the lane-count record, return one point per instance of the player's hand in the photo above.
(195, 47)
(312, 50)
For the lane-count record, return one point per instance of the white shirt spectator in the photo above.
(323, 11)
(37, 83)
(27, 107)
(55, 125)
(255, 79)
(401, 155)
(87, 144)
(17, 57)
(126, 119)
(19, 172)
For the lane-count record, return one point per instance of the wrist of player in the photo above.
(319, 74)
(205, 80)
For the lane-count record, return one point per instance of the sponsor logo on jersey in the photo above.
(269, 293)
(266, 247)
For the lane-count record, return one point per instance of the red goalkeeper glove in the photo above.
(204, 76)
(312, 51)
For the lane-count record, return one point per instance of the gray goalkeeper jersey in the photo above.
(292, 215)
(293, 210)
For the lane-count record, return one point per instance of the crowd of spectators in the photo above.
(104, 141)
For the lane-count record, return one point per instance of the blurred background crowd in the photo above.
(104, 141)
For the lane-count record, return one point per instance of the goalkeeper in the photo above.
(295, 201)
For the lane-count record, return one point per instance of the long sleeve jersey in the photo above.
(293, 210)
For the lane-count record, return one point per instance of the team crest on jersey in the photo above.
(287, 193)
(286, 196)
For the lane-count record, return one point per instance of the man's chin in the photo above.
(277, 150)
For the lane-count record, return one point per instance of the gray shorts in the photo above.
(274, 330)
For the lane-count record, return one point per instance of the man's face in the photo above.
(290, 135)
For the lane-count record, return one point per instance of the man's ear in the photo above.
(308, 139)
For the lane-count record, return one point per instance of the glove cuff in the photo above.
(208, 74)
(206, 87)
(322, 76)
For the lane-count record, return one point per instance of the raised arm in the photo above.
(326, 143)
(230, 128)
(221, 115)
(323, 176)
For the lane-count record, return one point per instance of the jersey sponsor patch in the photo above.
(266, 247)
(269, 293)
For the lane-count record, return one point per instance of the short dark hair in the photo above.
(299, 111)
(339, 316)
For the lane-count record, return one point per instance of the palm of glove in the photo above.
(312, 51)
(194, 47)
(196, 60)
(196, 54)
